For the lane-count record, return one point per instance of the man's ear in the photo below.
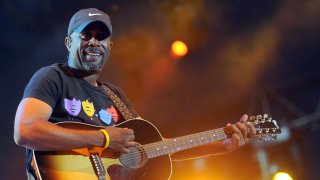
(110, 44)
(67, 42)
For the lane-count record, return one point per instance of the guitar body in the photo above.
(76, 164)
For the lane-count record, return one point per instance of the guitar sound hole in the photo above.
(135, 159)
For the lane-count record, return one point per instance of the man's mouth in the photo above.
(93, 54)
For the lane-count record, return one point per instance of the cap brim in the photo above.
(86, 23)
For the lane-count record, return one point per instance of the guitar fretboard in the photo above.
(169, 146)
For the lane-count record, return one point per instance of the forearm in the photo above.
(43, 135)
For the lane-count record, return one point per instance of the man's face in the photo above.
(89, 49)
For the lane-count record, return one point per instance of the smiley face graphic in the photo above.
(88, 108)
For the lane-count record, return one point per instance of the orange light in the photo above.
(179, 49)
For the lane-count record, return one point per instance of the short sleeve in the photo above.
(44, 85)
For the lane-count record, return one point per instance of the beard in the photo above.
(92, 66)
(93, 63)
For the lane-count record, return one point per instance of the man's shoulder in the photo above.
(110, 85)
(51, 70)
(113, 87)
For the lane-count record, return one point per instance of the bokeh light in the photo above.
(179, 49)
(282, 176)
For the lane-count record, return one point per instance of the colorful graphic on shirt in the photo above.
(105, 116)
(114, 113)
(72, 106)
(88, 108)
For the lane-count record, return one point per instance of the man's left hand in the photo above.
(242, 132)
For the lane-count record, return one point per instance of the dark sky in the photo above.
(244, 57)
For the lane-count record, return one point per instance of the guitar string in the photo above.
(148, 148)
(131, 156)
(153, 147)
(209, 134)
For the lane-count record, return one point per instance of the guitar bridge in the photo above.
(97, 165)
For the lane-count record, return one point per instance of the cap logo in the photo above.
(94, 14)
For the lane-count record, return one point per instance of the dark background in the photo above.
(244, 56)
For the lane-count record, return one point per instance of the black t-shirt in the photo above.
(73, 98)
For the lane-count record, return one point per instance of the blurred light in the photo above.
(199, 176)
(282, 176)
(199, 163)
(274, 168)
(178, 49)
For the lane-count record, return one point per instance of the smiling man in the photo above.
(66, 114)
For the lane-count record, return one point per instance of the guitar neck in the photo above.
(170, 146)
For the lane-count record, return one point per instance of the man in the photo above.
(72, 92)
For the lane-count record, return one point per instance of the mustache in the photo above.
(93, 50)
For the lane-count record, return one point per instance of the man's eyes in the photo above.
(86, 37)
(99, 37)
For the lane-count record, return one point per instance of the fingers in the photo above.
(126, 148)
(242, 126)
(238, 133)
(121, 139)
(132, 144)
(236, 140)
(244, 118)
(252, 130)
(243, 131)
(129, 131)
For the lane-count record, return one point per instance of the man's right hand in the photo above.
(121, 139)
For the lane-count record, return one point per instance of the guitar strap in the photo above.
(122, 108)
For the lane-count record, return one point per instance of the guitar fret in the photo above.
(185, 142)
(178, 144)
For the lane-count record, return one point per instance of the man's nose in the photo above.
(94, 42)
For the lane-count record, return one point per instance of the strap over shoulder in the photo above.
(123, 109)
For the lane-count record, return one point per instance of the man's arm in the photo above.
(241, 135)
(33, 130)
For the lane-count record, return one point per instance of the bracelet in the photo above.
(107, 138)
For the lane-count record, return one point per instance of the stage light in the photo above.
(282, 176)
(178, 49)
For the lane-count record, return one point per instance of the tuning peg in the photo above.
(275, 123)
(274, 137)
(267, 138)
(259, 117)
(252, 118)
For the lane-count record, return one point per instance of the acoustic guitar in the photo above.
(149, 160)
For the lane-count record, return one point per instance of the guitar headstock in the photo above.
(266, 127)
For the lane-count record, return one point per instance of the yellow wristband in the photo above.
(107, 138)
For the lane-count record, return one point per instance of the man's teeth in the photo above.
(94, 54)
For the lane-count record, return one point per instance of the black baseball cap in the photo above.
(84, 17)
